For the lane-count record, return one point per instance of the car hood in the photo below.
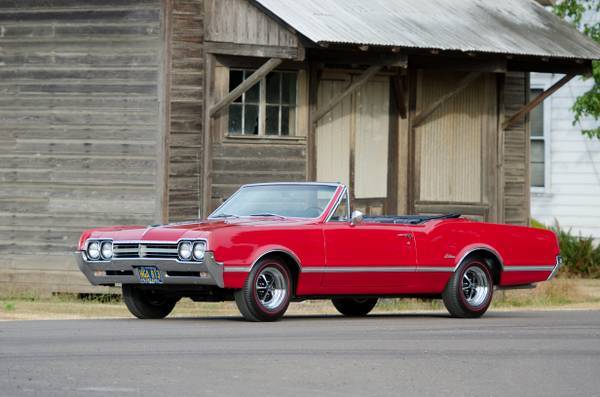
(192, 230)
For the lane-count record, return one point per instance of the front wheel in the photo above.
(147, 304)
(266, 293)
(354, 307)
(469, 292)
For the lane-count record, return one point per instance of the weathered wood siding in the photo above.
(516, 152)
(186, 109)
(79, 126)
(239, 22)
(238, 160)
(237, 163)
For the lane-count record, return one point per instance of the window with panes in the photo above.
(268, 108)
(537, 156)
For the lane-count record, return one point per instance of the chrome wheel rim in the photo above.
(475, 286)
(271, 288)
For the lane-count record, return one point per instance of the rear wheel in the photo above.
(469, 292)
(147, 304)
(266, 293)
(354, 307)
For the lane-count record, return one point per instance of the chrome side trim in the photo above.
(237, 269)
(435, 269)
(529, 268)
(559, 263)
(378, 269)
(360, 269)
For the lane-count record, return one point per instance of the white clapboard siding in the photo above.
(572, 196)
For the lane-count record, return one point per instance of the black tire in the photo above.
(354, 307)
(259, 302)
(147, 304)
(464, 300)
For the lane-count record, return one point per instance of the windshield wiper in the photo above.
(269, 214)
(225, 216)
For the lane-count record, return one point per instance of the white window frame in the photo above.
(262, 107)
(547, 107)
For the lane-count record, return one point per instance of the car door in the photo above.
(368, 257)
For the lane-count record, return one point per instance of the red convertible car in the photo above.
(270, 244)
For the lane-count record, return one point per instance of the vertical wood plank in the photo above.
(208, 122)
(162, 181)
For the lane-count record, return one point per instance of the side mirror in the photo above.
(357, 218)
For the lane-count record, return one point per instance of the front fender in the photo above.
(235, 275)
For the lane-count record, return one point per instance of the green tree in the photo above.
(574, 11)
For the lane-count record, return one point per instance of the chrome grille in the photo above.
(130, 250)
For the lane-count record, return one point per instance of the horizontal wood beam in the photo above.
(362, 79)
(464, 64)
(583, 67)
(358, 58)
(251, 50)
(460, 87)
(536, 101)
(237, 92)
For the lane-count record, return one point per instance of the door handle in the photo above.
(405, 235)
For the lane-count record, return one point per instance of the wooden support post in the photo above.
(162, 181)
(399, 95)
(536, 101)
(464, 83)
(313, 89)
(254, 78)
(363, 78)
(209, 89)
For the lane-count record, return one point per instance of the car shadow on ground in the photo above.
(337, 317)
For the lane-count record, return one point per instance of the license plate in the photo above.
(149, 275)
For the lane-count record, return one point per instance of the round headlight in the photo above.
(185, 250)
(199, 249)
(93, 250)
(107, 250)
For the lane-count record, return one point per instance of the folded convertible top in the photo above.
(408, 219)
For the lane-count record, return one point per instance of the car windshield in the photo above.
(286, 200)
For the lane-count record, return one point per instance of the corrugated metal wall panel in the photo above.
(450, 140)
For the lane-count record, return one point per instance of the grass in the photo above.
(557, 294)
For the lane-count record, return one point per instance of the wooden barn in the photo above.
(149, 111)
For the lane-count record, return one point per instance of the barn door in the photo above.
(353, 140)
(456, 147)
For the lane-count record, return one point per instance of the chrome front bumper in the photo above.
(123, 271)
(557, 266)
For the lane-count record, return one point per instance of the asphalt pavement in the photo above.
(505, 353)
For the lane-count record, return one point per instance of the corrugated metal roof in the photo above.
(520, 27)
